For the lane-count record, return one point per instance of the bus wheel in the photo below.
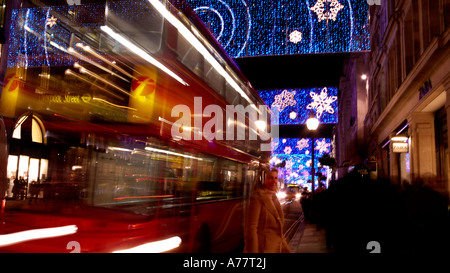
(202, 242)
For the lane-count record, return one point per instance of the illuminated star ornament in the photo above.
(322, 102)
(295, 36)
(327, 9)
(51, 22)
(284, 100)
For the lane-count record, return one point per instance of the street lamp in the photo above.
(312, 123)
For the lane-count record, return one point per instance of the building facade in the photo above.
(350, 137)
(409, 92)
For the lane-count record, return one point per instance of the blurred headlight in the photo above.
(281, 195)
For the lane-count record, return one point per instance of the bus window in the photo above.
(189, 56)
(138, 21)
(214, 79)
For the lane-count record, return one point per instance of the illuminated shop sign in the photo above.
(400, 144)
(400, 147)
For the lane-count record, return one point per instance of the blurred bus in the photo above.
(92, 164)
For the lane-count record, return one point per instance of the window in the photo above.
(409, 32)
(435, 16)
(37, 129)
(138, 21)
(214, 79)
(189, 56)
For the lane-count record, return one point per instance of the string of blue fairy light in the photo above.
(263, 26)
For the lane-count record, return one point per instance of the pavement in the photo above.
(302, 236)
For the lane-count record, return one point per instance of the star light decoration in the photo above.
(321, 102)
(327, 14)
(284, 100)
(51, 22)
(295, 36)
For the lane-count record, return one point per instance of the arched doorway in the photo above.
(28, 160)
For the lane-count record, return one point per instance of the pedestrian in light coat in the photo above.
(264, 219)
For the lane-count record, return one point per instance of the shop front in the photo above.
(27, 166)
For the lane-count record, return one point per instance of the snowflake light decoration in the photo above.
(322, 146)
(324, 13)
(51, 22)
(322, 102)
(288, 150)
(295, 36)
(284, 100)
(302, 143)
(289, 164)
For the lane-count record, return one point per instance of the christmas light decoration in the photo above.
(327, 11)
(292, 115)
(297, 168)
(244, 27)
(289, 164)
(295, 36)
(302, 143)
(298, 103)
(322, 102)
(287, 150)
(284, 100)
(51, 21)
(263, 27)
(322, 146)
(35, 33)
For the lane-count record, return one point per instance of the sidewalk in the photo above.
(303, 237)
(308, 239)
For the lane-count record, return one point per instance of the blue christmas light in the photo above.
(296, 153)
(294, 108)
(263, 27)
(35, 42)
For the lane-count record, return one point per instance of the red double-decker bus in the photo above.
(90, 161)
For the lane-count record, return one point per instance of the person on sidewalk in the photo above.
(264, 219)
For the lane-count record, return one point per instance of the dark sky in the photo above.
(293, 71)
